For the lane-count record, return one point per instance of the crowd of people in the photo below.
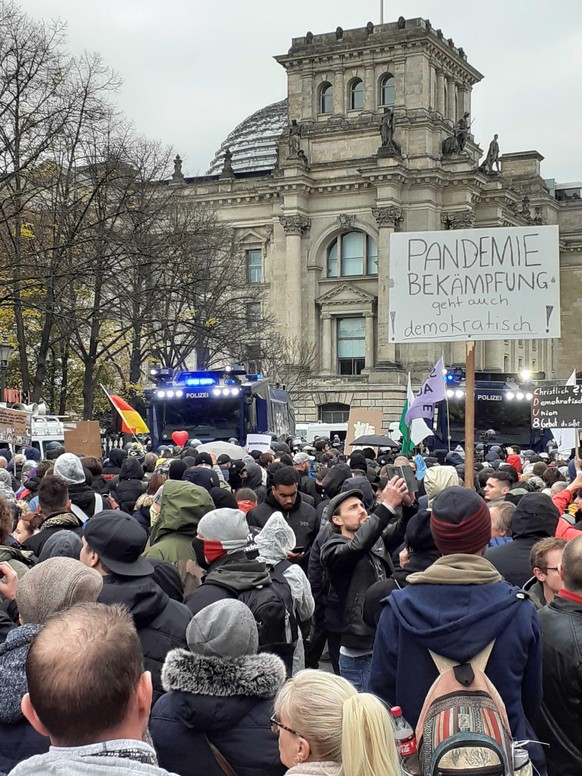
(175, 611)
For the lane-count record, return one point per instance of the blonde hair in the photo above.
(340, 724)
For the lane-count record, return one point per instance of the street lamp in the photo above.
(5, 352)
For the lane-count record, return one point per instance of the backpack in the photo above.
(463, 728)
(83, 516)
(273, 610)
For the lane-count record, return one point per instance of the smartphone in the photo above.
(298, 550)
(405, 473)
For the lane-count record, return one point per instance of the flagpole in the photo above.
(470, 416)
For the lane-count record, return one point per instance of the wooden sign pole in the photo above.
(470, 415)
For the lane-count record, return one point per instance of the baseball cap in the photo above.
(119, 540)
(302, 458)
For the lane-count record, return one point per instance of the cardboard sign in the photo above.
(557, 406)
(474, 284)
(260, 442)
(362, 421)
(15, 427)
(85, 439)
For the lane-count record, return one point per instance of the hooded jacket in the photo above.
(438, 478)
(457, 620)
(301, 517)
(229, 700)
(112, 465)
(202, 477)
(535, 518)
(183, 504)
(18, 739)
(254, 481)
(130, 486)
(160, 621)
(62, 521)
(82, 495)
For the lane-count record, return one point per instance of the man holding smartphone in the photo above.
(355, 556)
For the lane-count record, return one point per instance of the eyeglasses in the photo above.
(550, 568)
(275, 725)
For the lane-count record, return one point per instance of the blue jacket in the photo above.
(457, 621)
(229, 700)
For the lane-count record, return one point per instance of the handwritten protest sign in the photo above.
(15, 427)
(475, 284)
(557, 406)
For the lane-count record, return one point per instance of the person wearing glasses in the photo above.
(546, 556)
(327, 728)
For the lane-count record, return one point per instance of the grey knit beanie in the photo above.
(227, 526)
(55, 585)
(69, 468)
(225, 628)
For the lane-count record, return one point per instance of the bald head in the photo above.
(572, 566)
(3, 462)
(85, 678)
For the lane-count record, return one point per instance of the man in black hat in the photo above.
(355, 556)
(113, 543)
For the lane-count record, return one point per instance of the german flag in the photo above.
(131, 421)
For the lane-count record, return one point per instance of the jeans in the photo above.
(356, 670)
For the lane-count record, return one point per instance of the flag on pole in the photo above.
(431, 392)
(416, 430)
(131, 421)
(566, 437)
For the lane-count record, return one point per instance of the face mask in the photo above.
(198, 547)
(213, 550)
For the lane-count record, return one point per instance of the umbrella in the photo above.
(375, 440)
(222, 448)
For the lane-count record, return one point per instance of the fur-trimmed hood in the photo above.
(258, 676)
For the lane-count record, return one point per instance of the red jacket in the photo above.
(564, 529)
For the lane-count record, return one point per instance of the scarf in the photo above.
(64, 519)
(457, 569)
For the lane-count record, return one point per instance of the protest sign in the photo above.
(260, 442)
(557, 406)
(15, 427)
(360, 423)
(475, 284)
(84, 439)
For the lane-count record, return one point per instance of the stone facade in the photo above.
(334, 185)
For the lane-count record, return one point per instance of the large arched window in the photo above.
(356, 93)
(386, 95)
(326, 98)
(352, 253)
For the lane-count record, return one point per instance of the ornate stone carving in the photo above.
(309, 37)
(369, 28)
(346, 221)
(268, 234)
(401, 22)
(387, 216)
(227, 171)
(339, 33)
(177, 175)
(456, 143)
(297, 224)
(492, 158)
(389, 146)
(538, 219)
(458, 219)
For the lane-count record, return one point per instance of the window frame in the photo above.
(382, 85)
(369, 257)
(253, 319)
(355, 365)
(250, 267)
(343, 413)
(352, 87)
(325, 93)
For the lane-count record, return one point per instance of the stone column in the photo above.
(369, 352)
(494, 352)
(452, 91)
(326, 344)
(339, 103)
(370, 89)
(464, 100)
(386, 218)
(440, 106)
(307, 96)
(295, 227)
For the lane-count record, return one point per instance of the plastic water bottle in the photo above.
(403, 733)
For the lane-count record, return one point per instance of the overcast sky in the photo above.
(193, 70)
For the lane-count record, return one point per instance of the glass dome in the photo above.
(253, 143)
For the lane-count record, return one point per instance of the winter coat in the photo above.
(307, 486)
(561, 712)
(316, 768)
(302, 518)
(94, 760)
(353, 565)
(457, 621)
(82, 495)
(229, 700)
(328, 610)
(274, 542)
(160, 621)
(535, 518)
(535, 591)
(62, 521)
(202, 477)
(130, 486)
(183, 505)
(254, 481)
(16, 560)
(112, 465)
(565, 529)
(18, 739)
(6, 625)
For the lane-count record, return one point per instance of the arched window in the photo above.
(356, 94)
(387, 90)
(326, 98)
(350, 254)
(334, 412)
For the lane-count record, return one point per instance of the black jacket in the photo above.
(230, 701)
(160, 621)
(328, 610)
(302, 518)
(49, 526)
(353, 565)
(535, 518)
(82, 495)
(128, 488)
(560, 723)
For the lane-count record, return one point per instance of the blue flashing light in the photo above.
(449, 378)
(199, 381)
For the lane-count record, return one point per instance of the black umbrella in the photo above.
(375, 440)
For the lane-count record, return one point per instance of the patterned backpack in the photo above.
(463, 728)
